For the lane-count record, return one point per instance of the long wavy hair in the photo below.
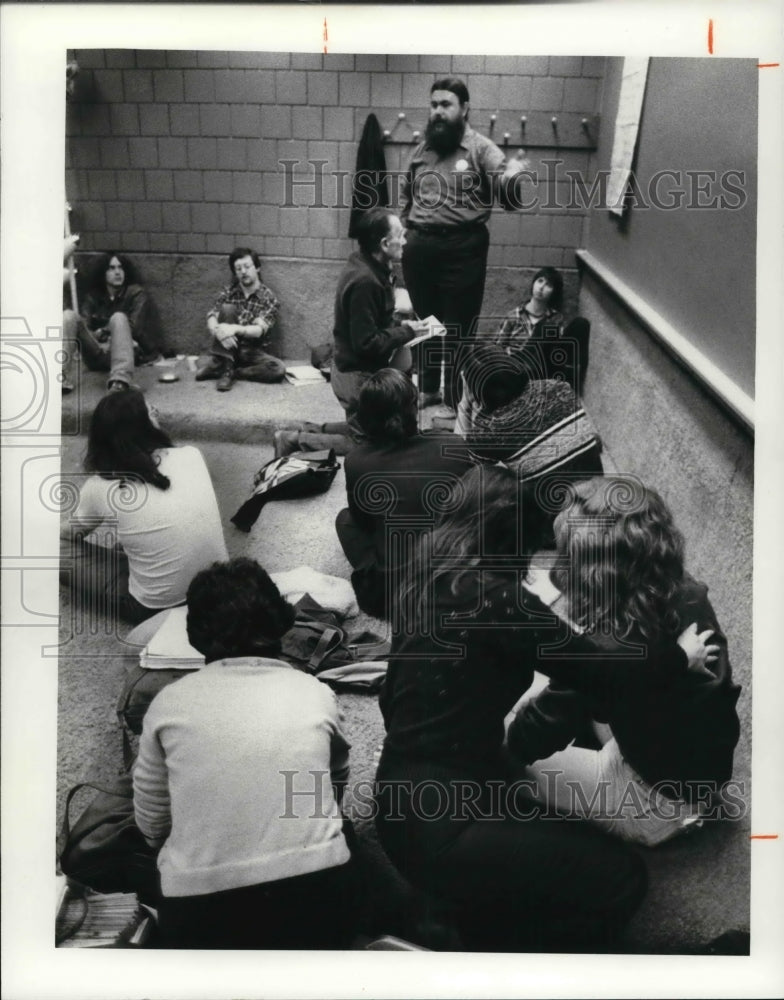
(123, 440)
(99, 267)
(622, 558)
(489, 521)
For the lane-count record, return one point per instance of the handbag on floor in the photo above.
(104, 849)
(301, 474)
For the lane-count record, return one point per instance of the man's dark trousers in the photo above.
(444, 269)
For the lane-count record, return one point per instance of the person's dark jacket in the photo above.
(365, 331)
(674, 726)
(390, 488)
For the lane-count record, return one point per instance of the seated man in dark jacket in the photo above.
(394, 481)
(367, 338)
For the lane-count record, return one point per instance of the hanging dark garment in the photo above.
(370, 188)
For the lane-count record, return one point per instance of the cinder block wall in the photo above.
(176, 157)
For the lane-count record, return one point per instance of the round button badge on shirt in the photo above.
(461, 165)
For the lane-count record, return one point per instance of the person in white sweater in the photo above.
(240, 771)
(157, 500)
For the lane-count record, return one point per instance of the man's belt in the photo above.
(429, 229)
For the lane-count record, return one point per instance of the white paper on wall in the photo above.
(627, 126)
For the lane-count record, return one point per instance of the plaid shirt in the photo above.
(259, 308)
(519, 326)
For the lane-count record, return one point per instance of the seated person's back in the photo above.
(245, 861)
(394, 480)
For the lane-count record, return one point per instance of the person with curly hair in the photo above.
(465, 641)
(115, 329)
(160, 504)
(238, 781)
(668, 734)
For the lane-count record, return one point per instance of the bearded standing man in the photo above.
(453, 179)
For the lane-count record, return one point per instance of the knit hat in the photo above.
(544, 430)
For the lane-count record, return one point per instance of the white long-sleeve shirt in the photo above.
(234, 777)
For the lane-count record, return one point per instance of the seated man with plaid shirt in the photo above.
(240, 322)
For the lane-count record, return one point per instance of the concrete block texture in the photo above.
(177, 153)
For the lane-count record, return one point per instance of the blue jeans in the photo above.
(111, 350)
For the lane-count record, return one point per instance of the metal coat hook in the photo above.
(401, 120)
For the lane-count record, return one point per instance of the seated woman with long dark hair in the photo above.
(240, 769)
(466, 640)
(159, 502)
(391, 478)
(672, 732)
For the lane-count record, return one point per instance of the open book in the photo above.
(437, 329)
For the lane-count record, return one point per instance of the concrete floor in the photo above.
(699, 886)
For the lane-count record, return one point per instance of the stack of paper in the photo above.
(90, 919)
(169, 648)
(303, 375)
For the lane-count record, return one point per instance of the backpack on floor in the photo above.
(302, 474)
(104, 849)
(316, 644)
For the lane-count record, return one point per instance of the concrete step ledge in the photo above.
(249, 414)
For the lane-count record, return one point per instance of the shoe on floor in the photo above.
(213, 369)
(226, 380)
(429, 399)
(117, 385)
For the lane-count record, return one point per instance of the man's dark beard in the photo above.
(444, 137)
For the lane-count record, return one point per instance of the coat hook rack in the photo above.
(531, 129)
(389, 134)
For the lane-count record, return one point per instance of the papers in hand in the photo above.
(169, 648)
(436, 329)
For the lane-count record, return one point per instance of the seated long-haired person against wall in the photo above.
(669, 732)
(158, 500)
(465, 645)
(240, 768)
(391, 478)
(538, 326)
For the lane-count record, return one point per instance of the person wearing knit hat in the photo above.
(536, 426)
